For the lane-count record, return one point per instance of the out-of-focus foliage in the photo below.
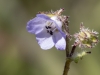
(19, 52)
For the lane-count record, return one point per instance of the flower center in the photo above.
(50, 27)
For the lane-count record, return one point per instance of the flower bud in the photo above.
(79, 55)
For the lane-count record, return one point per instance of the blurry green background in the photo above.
(19, 52)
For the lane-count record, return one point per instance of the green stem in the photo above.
(66, 68)
(68, 60)
(67, 47)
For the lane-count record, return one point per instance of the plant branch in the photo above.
(73, 49)
(68, 60)
(66, 68)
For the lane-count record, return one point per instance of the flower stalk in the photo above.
(68, 57)
(68, 60)
(67, 66)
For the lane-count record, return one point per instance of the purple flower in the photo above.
(48, 31)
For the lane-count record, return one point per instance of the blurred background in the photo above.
(19, 52)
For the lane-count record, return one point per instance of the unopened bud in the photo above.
(79, 55)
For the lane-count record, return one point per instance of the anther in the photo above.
(46, 27)
(49, 27)
(51, 32)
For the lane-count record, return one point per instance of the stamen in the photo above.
(49, 23)
(51, 32)
(49, 27)
(54, 29)
(46, 27)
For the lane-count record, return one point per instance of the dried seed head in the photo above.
(86, 37)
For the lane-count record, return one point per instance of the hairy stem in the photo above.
(67, 47)
(66, 68)
(73, 49)
(68, 61)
